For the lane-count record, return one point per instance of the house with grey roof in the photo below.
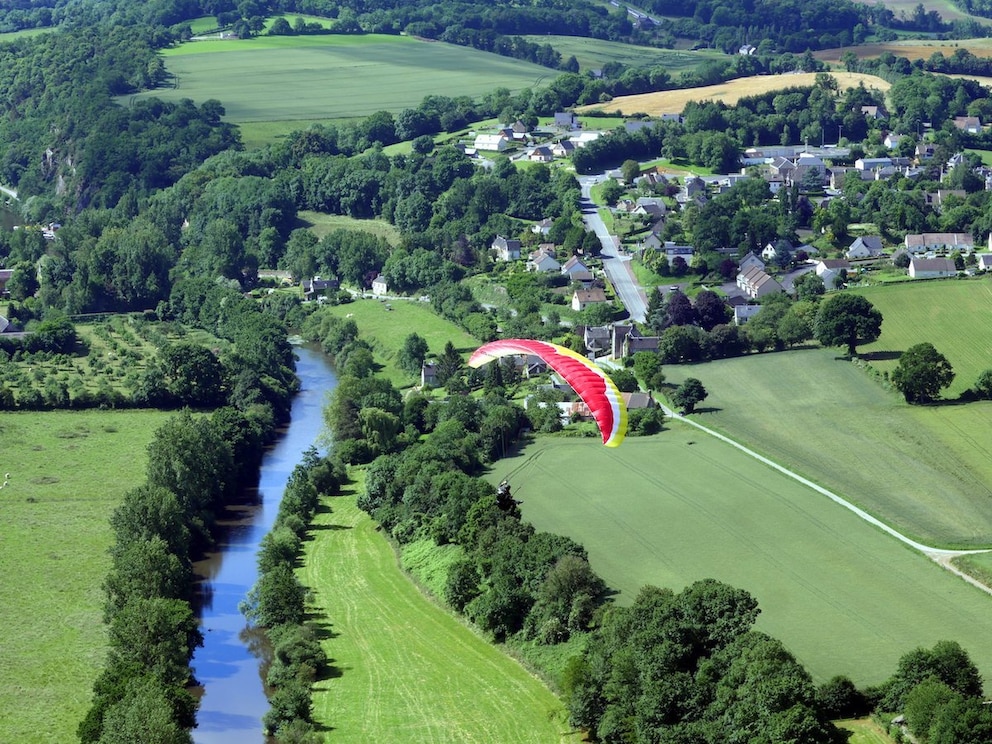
(931, 268)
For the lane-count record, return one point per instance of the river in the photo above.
(233, 701)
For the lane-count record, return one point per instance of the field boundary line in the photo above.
(940, 556)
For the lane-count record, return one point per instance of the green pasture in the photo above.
(406, 670)
(952, 314)
(978, 565)
(593, 54)
(385, 324)
(295, 80)
(920, 469)
(865, 731)
(68, 471)
(320, 224)
(671, 509)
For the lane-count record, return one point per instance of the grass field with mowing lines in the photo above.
(830, 421)
(865, 731)
(681, 506)
(387, 329)
(731, 91)
(321, 78)
(594, 53)
(409, 670)
(951, 314)
(75, 466)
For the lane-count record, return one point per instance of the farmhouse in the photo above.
(567, 119)
(931, 268)
(583, 298)
(380, 286)
(317, 287)
(541, 154)
(563, 149)
(984, 261)
(969, 124)
(627, 340)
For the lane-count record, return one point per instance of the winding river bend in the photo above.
(233, 700)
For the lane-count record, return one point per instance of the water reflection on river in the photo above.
(233, 700)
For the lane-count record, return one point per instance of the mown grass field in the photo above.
(385, 324)
(68, 471)
(321, 224)
(865, 731)
(594, 53)
(674, 101)
(297, 80)
(951, 314)
(681, 506)
(409, 671)
(919, 469)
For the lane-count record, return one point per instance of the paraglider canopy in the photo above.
(594, 387)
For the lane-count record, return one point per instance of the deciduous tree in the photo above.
(921, 373)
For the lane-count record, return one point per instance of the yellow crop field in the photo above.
(911, 49)
(674, 101)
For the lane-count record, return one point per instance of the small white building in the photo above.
(492, 142)
(931, 268)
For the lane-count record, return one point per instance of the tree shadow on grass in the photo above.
(880, 356)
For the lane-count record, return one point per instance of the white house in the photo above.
(829, 270)
(492, 142)
(507, 249)
(931, 268)
(923, 242)
(583, 298)
(756, 283)
(984, 262)
(543, 262)
(865, 246)
(750, 261)
(380, 286)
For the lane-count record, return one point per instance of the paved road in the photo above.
(617, 267)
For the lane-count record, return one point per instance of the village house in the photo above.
(924, 242)
(743, 313)
(583, 298)
(541, 154)
(627, 341)
(543, 261)
(506, 249)
(597, 340)
(5, 275)
(969, 124)
(316, 287)
(756, 283)
(543, 227)
(566, 120)
(575, 269)
(750, 261)
(380, 286)
(563, 149)
(865, 246)
(831, 271)
(891, 140)
(936, 199)
(874, 113)
(984, 262)
(428, 375)
(931, 268)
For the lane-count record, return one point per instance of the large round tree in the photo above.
(847, 320)
(921, 373)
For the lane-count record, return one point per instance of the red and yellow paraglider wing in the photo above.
(594, 387)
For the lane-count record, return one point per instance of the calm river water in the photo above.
(233, 700)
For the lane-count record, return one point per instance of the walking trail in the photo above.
(939, 555)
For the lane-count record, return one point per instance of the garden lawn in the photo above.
(385, 324)
(294, 79)
(672, 509)
(952, 314)
(68, 471)
(865, 731)
(919, 469)
(406, 669)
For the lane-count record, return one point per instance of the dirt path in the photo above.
(938, 555)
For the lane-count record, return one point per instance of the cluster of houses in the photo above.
(540, 146)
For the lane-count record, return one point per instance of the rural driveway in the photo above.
(939, 555)
(617, 267)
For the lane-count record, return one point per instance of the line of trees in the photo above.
(276, 603)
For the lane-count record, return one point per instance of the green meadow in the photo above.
(297, 80)
(386, 325)
(920, 469)
(407, 670)
(671, 509)
(592, 54)
(952, 314)
(320, 224)
(68, 471)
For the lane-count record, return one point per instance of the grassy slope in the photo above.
(310, 78)
(865, 731)
(678, 507)
(75, 466)
(321, 224)
(594, 53)
(386, 330)
(410, 671)
(828, 420)
(674, 101)
(950, 314)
